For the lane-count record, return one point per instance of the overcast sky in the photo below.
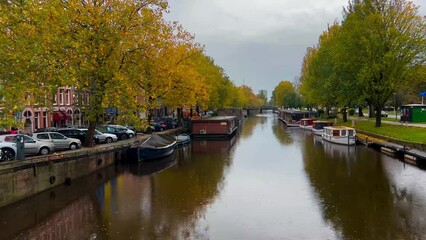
(259, 42)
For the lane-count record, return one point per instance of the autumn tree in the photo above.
(284, 95)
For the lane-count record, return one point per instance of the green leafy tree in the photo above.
(387, 38)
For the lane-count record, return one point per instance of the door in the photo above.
(31, 146)
(59, 140)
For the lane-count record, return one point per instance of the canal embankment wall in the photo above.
(22, 179)
(419, 146)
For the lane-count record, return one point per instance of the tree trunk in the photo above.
(90, 133)
(179, 116)
(378, 117)
(360, 113)
(345, 115)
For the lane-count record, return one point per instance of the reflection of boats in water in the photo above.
(151, 167)
(335, 150)
(213, 146)
(156, 146)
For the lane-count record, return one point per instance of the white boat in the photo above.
(340, 135)
(318, 126)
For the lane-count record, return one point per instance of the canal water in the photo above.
(269, 182)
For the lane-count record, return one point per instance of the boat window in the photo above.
(351, 132)
(336, 133)
(343, 132)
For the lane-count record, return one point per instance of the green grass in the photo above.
(403, 133)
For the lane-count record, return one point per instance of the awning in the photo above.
(58, 116)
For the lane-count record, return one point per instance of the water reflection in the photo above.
(170, 203)
(251, 123)
(281, 132)
(61, 213)
(275, 183)
(354, 191)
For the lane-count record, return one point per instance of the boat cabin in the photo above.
(321, 124)
(292, 118)
(307, 122)
(340, 135)
(214, 127)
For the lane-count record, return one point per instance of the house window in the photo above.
(67, 97)
(36, 120)
(61, 96)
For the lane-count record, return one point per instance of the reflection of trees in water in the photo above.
(355, 193)
(280, 132)
(169, 204)
(249, 124)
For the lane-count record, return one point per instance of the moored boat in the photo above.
(306, 123)
(183, 139)
(292, 118)
(318, 126)
(340, 135)
(156, 146)
(221, 127)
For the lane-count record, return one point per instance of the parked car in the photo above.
(130, 133)
(384, 114)
(7, 151)
(31, 145)
(121, 133)
(163, 124)
(50, 129)
(75, 133)
(167, 122)
(59, 140)
(103, 137)
(157, 126)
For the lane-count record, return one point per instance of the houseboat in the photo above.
(307, 123)
(340, 135)
(318, 126)
(292, 118)
(214, 127)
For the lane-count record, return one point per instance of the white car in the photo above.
(7, 151)
(103, 137)
(59, 140)
(31, 145)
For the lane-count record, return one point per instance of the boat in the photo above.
(292, 117)
(218, 127)
(182, 140)
(155, 147)
(340, 135)
(306, 123)
(318, 126)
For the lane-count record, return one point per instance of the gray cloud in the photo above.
(259, 43)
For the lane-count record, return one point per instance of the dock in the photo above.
(408, 154)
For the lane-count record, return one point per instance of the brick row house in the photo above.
(66, 111)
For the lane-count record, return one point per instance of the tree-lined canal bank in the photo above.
(269, 182)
